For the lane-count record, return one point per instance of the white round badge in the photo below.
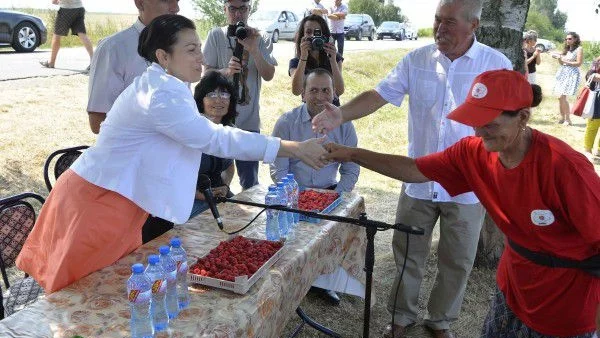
(479, 91)
(542, 217)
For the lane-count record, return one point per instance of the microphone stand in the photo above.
(371, 228)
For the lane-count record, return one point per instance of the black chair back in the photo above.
(65, 157)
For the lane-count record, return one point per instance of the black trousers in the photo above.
(154, 227)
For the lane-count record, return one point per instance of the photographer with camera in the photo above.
(314, 49)
(254, 62)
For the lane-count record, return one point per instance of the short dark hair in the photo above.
(161, 33)
(211, 81)
(317, 71)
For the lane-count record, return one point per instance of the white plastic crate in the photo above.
(242, 283)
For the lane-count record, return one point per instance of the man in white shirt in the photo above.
(316, 8)
(257, 64)
(337, 18)
(115, 64)
(437, 78)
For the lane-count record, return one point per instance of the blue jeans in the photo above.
(247, 171)
(339, 38)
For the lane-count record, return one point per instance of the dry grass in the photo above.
(40, 115)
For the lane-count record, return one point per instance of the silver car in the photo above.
(279, 24)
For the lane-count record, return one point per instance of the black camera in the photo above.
(318, 40)
(237, 30)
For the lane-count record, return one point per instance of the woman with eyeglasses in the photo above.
(216, 100)
(145, 161)
(567, 76)
(309, 56)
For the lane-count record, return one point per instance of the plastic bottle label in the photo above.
(159, 286)
(137, 296)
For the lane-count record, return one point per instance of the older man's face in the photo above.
(453, 33)
(150, 9)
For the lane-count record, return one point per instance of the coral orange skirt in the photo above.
(81, 228)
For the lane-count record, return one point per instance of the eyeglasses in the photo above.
(216, 94)
(241, 9)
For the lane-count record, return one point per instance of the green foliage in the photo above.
(377, 10)
(426, 32)
(591, 50)
(214, 12)
(546, 19)
(543, 26)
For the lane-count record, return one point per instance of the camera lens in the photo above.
(241, 33)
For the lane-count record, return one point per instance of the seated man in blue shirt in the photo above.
(296, 125)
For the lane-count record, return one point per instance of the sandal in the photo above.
(46, 64)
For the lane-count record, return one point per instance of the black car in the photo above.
(391, 29)
(22, 31)
(359, 25)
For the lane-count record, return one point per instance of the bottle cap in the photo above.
(153, 259)
(137, 268)
(290, 175)
(164, 250)
(280, 184)
(175, 242)
(272, 187)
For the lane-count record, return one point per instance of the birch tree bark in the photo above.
(501, 27)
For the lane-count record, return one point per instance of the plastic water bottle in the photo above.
(180, 258)
(272, 226)
(158, 307)
(139, 294)
(283, 217)
(289, 191)
(295, 196)
(168, 264)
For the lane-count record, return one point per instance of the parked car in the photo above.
(22, 31)
(411, 33)
(544, 45)
(279, 24)
(359, 25)
(391, 29)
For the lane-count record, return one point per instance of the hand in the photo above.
(312, 152)
(233, 67)
(220, 191)
(305, 47)
(331, 51)
(327, 120)
(250, 43)
(338, 152)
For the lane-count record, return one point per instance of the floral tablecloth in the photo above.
(96, 306)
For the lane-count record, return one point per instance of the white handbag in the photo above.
(588, 109)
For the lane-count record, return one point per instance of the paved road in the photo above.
(74, 60)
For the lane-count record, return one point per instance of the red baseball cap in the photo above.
(491, 93)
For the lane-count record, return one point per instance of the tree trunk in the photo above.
(501, 27)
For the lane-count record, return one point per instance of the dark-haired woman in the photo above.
(567, 76)
(307, 58)
(215, 98)
(541, 193)
(145, 161)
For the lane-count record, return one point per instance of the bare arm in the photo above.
(395, 166)
(228, 174)
(251, 43)
(362, 105)
(96, 119)
(575, 63)
(336, 68)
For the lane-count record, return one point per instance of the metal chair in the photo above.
(63, 162)
(17, 217)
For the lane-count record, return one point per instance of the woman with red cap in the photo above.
(541, 193)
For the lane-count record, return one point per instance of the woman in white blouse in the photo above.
(145, 162)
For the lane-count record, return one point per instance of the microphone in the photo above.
(204, 186)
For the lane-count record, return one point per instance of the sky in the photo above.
(581, 17)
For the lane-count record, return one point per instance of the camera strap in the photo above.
(238, 52)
